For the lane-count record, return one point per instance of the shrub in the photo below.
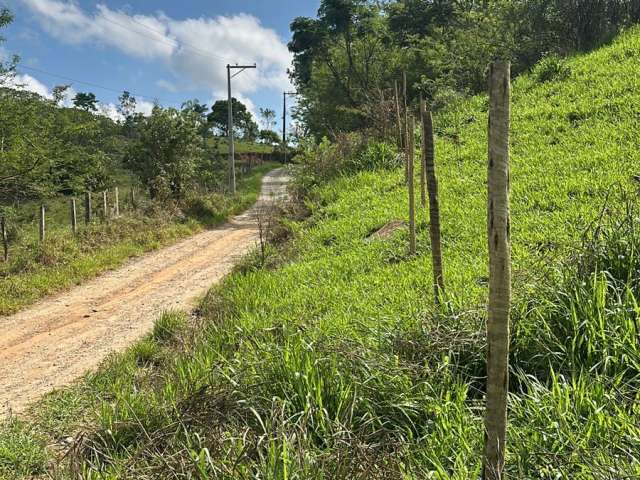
(551, 67)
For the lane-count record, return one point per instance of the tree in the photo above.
(268, 117)
(243, 123)
(59, 92)
(85, 101)
(166, 152)
(269, 137)
(7, 68)
(498, 229)
(127, 105)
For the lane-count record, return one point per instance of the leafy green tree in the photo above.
(243, 123)
(85, 101)
(269, 137)
(166, 152)
(7, 68)
(58, 93)
(268, 117)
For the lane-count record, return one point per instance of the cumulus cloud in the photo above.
(27, 83)
(196, 50)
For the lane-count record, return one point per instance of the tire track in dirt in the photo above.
(62, 337)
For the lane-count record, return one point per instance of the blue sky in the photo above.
(167, 50)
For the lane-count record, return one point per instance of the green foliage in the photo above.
(551, 67)
(85, 101)
(243, 123)
(166, 152)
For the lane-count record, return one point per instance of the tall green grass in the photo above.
(337, 364)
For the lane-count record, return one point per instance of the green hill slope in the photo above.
(337, 365)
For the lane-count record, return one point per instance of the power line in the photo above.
(175, 43)
(96, 85)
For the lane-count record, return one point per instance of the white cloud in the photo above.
(196, 50)
(144, 107)
(109, 110)
(27, 83)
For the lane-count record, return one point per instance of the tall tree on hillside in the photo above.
(127, 105)
(498, 229)
(85, 101)
(7, 68)
(243, 123)
(58, 93)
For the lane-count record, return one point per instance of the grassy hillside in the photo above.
(337, 365)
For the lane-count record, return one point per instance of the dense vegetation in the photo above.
(346, 59)
(336, 364)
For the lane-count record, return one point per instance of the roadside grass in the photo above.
(36, 269)
(337, 364)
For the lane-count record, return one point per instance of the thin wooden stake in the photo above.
(105, 206)
(498, 228)
(423, 166)
(399, 118)
(116, 201)
(406, 124)
(87, 208)
(429, 164)
(133, 198)
(74, 218)
(5, 239)
(412, 200)
(42, 228)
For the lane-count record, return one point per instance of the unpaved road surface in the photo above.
(59, 339)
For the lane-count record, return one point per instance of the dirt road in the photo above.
(62, 337)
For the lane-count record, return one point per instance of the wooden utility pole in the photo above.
(87, 208)
(429, 165)
(74, 218)
(5, 239)
(498, 228)
(410, 180)
(42, 227)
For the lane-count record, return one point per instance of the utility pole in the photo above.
(232, 153)
(284, 121)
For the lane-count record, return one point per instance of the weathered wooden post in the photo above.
(105, 206)
(5, 239)
(87, 208)
(133, 198)
(423, 167)
(429, 165)
(74, 218)
(410, 179)
(398, 118)
(498, 228)
(42, 228)
(116, 201)
(406, 123)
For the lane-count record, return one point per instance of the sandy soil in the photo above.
(62, 337)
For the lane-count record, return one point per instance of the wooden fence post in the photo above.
(74, 218)
(406, 124)
(410, 179)
(105, 206)
(398, 118)
(5, 239)
(87, 208)
(423, 166)
(498, 228)
(429, 165)
(42, 226)
(133, 198)
(116, 201)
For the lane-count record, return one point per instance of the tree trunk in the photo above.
(429, 166)
(498, 227)
(410, 180)
(5, 239)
